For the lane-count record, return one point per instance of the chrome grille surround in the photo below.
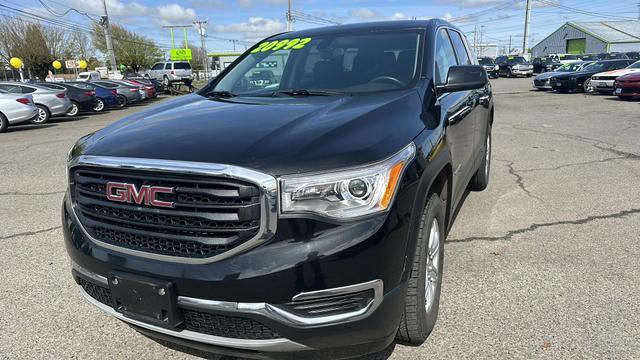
(267, 185)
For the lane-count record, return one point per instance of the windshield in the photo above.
(568, 57)
(83, 76)
(485, 61)
(516, 60)
(635, 65)
(336, 63)
(596, 66)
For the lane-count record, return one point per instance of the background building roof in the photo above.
(611, 31)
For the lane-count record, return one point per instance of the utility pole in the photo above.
(202, 30)
(509, 49)
(104, 21)
(234, 44)
(527, 21)
(289, 18)
(475, 39)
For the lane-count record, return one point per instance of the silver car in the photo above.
(15, 109)
(48, 101)
(127, 94)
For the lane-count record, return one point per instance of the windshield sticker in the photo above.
(511, 58)
(287, 44)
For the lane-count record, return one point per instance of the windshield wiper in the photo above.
(304, 92)
(220, 94)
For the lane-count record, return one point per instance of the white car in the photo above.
(603, 82)
(15, 109)
(170, 71)
(565, 58)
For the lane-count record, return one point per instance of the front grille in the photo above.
(210, 215)
(235, 327)
(605, 78)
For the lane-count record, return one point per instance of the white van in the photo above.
(88, 76)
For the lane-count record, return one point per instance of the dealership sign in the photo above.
(180, 54)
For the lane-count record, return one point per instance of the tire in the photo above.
(509, 73)
(480, 180)
(43, 115)
(4, 123)
(75, 109)
(99, 106)
(122, 100)
(586, 86)
(419, 316)
(166, 82)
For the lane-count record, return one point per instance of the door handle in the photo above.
(484, 100)
(459, 115)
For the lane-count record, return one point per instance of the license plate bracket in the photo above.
(149, 300)
(619, 91)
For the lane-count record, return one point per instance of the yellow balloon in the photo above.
(82, 64)
(15, 62)
(57, 65)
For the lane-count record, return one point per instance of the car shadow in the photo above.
(23, 127)
(64, 119)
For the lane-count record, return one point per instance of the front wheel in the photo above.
(423, 292)
(166, 82)
(99, 106)
(586, 86)
(480, 180)
(75, 109)
(43, 115)
(4, 123)
(122, 101)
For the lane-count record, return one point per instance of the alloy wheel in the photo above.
(73, 111)
(42, 115)
(433, 266)
(99, 105)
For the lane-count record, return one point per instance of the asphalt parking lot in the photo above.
(544, 264)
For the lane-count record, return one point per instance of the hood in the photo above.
(618, 72)
(635, 76)
(577, 74)
(280, 135)
(550, 74)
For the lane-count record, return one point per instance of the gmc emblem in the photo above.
(128, 193)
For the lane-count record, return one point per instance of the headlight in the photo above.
(497, 67)
(346, 194)
(514, 67)
(595, 78)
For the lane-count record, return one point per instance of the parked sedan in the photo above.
(81, 100)
(627, 86)
(603, 82)
(490, 66)
(16, 109)
(141, 90)
(581, 80)
(511, 66)
(127, 94)
(49, 102)
(542, 81)
(149, 89)
(105, 98)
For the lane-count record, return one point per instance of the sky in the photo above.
(241, 23)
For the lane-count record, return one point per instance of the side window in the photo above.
(27, 90)
(167, 66)
(461, 49)
(157, 66)
(445, 56)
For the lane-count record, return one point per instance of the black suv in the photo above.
(302, 219)
(513, 65)
(490, 66)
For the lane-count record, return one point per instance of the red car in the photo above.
(627, 86)
(151, 91)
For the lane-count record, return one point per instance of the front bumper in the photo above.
(305, 258)
(542, 84)
(627, 91)
(565, 85)
(522, 72)
(602, 85)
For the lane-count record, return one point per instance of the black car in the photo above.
(612, 56)
(634, 55)
(511, 66)
(545, 64)
(297, 220)
(82, 100)
(490, 66)
(580, 80)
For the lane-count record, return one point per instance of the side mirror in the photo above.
(464, 77)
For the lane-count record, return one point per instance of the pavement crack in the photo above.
(520, 181)
(534, 227)
(29, 233)
(18, 193)
(574, 164)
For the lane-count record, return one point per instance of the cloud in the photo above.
(471, 3)
(365, 14)
(255, 25)
(175, 14)
(168, 14)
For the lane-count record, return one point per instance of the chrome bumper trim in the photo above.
(266, 183)
(271, 345)
(270, 311)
